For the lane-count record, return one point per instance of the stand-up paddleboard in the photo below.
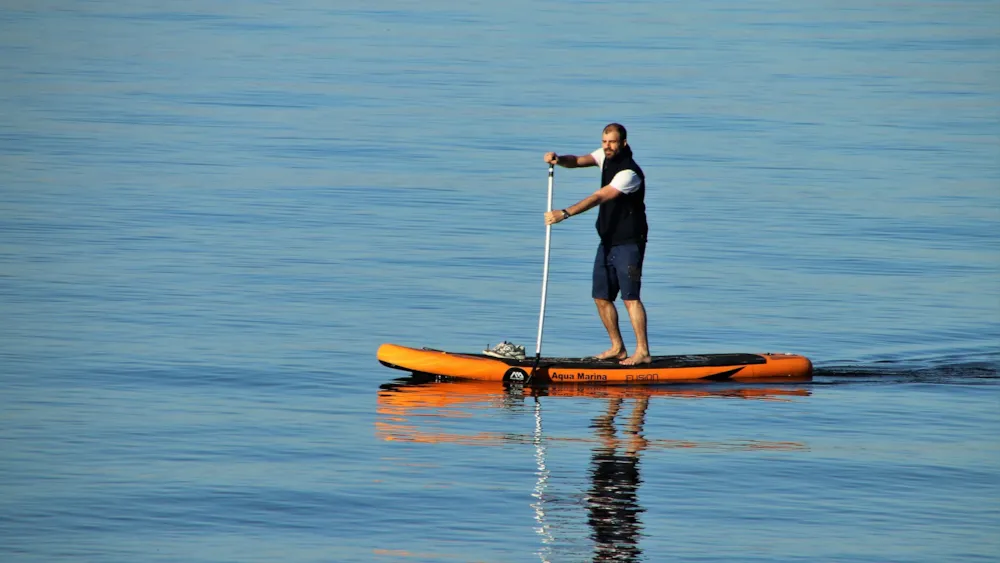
(663, 369)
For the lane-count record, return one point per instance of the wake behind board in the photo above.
(663, 369)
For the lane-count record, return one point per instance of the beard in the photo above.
(616, 154)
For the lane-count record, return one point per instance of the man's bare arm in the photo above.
(606, 193)
(570, 161)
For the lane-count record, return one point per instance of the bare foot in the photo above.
(612, 354)
(637, 359)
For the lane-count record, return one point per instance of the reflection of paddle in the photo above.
(543, 528)
(545, 278)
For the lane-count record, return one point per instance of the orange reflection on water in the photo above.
(403, 406)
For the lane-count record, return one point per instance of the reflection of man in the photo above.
(613, 501)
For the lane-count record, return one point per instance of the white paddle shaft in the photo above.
(545, 271)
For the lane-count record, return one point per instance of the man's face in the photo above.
(612, 144)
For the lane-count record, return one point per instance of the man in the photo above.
(622, 228)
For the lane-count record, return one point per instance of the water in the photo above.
(213, 213)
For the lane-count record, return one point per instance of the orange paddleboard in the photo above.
(663, 369)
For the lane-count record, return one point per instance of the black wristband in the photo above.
(566, 214)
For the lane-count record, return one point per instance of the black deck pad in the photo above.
(704, 360)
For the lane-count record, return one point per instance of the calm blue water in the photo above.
(212, 213)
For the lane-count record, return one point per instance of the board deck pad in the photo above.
(693, 360)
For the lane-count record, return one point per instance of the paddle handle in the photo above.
(545, 273)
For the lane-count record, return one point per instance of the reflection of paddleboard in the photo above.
(411, 394)
(663, 369)
(417, 410)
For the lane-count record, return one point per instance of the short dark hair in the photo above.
(622, 134)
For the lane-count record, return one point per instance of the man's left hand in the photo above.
(553, 217)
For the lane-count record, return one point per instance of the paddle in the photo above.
(545, 278)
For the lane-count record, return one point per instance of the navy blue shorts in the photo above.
(618, 269)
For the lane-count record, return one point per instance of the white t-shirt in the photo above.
(625, 181)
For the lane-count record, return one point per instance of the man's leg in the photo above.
(609, 316)
(605, 289)
(628, 264)
(637, 314)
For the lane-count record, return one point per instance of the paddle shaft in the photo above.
(545, 275)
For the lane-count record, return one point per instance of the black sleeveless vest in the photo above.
(623, 219)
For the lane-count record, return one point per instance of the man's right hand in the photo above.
(551, 158)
